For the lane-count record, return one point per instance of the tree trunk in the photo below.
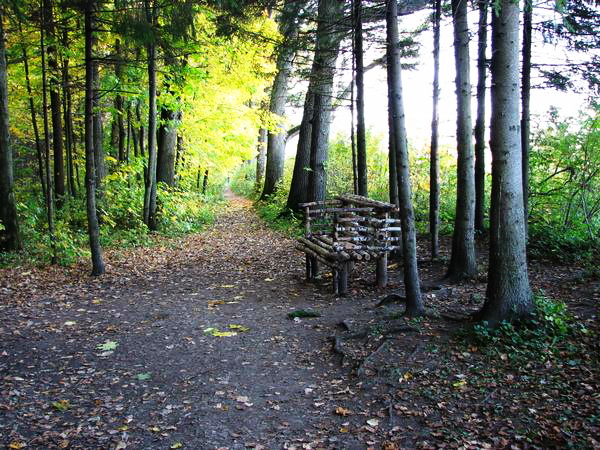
(463, 263)
(260, 158)
(48, 170)
(525, 100)
(299, 186)
(90, 178)
(36, 132)
(99, 160)
(138, 116)
(10, 238)
(414, 303)
(150, 191)
(329, 36)
(288, 27)
(508, 293)
(205, 182)
(361, 136)
(434, 162)
(118, 120)
(68, 119)
(167, 146)
(55, 107)
(480, 121)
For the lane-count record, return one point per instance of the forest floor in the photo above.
(188, 345)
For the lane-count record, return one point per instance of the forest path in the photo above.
(167, 381)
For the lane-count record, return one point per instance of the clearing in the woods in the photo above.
(189, 345)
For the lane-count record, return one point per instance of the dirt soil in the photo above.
(188, 345)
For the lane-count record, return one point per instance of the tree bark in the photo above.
(525, 109)
(36, 132)
(90, 178)
(68, 119)
(150, 190)
(288, 27)
(48, 169)
(434, 162)
(329, 36)
(480, 121)
(261, 158)
(205, 182)
(361, 136)
(118, 122)
(55, 107)
(10, 238)
(167, 146)
(508, 293)
(98, 133)
(463, 263)
(414, 303)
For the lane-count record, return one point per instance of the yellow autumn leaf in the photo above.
(240, 328)
(16, 445)
(342, 411)
(177, 445)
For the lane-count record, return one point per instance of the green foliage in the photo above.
(544, 337)
(565, 188)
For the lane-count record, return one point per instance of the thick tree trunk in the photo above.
(414, 303)
(167, 146)
(434, 162)
(90, 178)
(55, 107)
(508, 291)
(329, 36)
(261, 158)
(480, 121)
(463, 263)
(150, 191)
(525, 110)
(288, 27)
(36, 132)
(10, 238)
(361, 134)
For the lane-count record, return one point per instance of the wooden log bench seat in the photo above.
(347, 229)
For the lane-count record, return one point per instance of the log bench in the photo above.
(347, 229)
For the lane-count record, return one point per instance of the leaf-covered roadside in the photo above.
(126, 361)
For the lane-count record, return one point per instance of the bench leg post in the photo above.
(343, 279)
(381, 272)
(314, 267)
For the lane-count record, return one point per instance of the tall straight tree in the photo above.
(261, 156)
(289, 24)
(361, 134)
(508, 294)
(150, 188)
(90, 176)
(463, 263)
(480, 120)
(434, 161)
(99, 159)
(414, 302)
(329, 36)
(9, 232)
(55, 104)
(525, 107)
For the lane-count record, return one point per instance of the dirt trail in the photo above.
(168, 381)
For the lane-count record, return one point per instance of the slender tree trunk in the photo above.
(463, 263)
(10, 238)
(90, 178)
(99, 160)
(508, 291)
(480, 121)
(525, 109)
(288, 27)
(353, 130)
(179, 157)
(55, 106)
(434, 163)
(150, 191)
(118, 120)
(361, 136)
(48, 170)
(329, 36)
(68, 118)
(205, 182)
(414, 303)
(36, 132)
(142, 133)
(261, 158)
